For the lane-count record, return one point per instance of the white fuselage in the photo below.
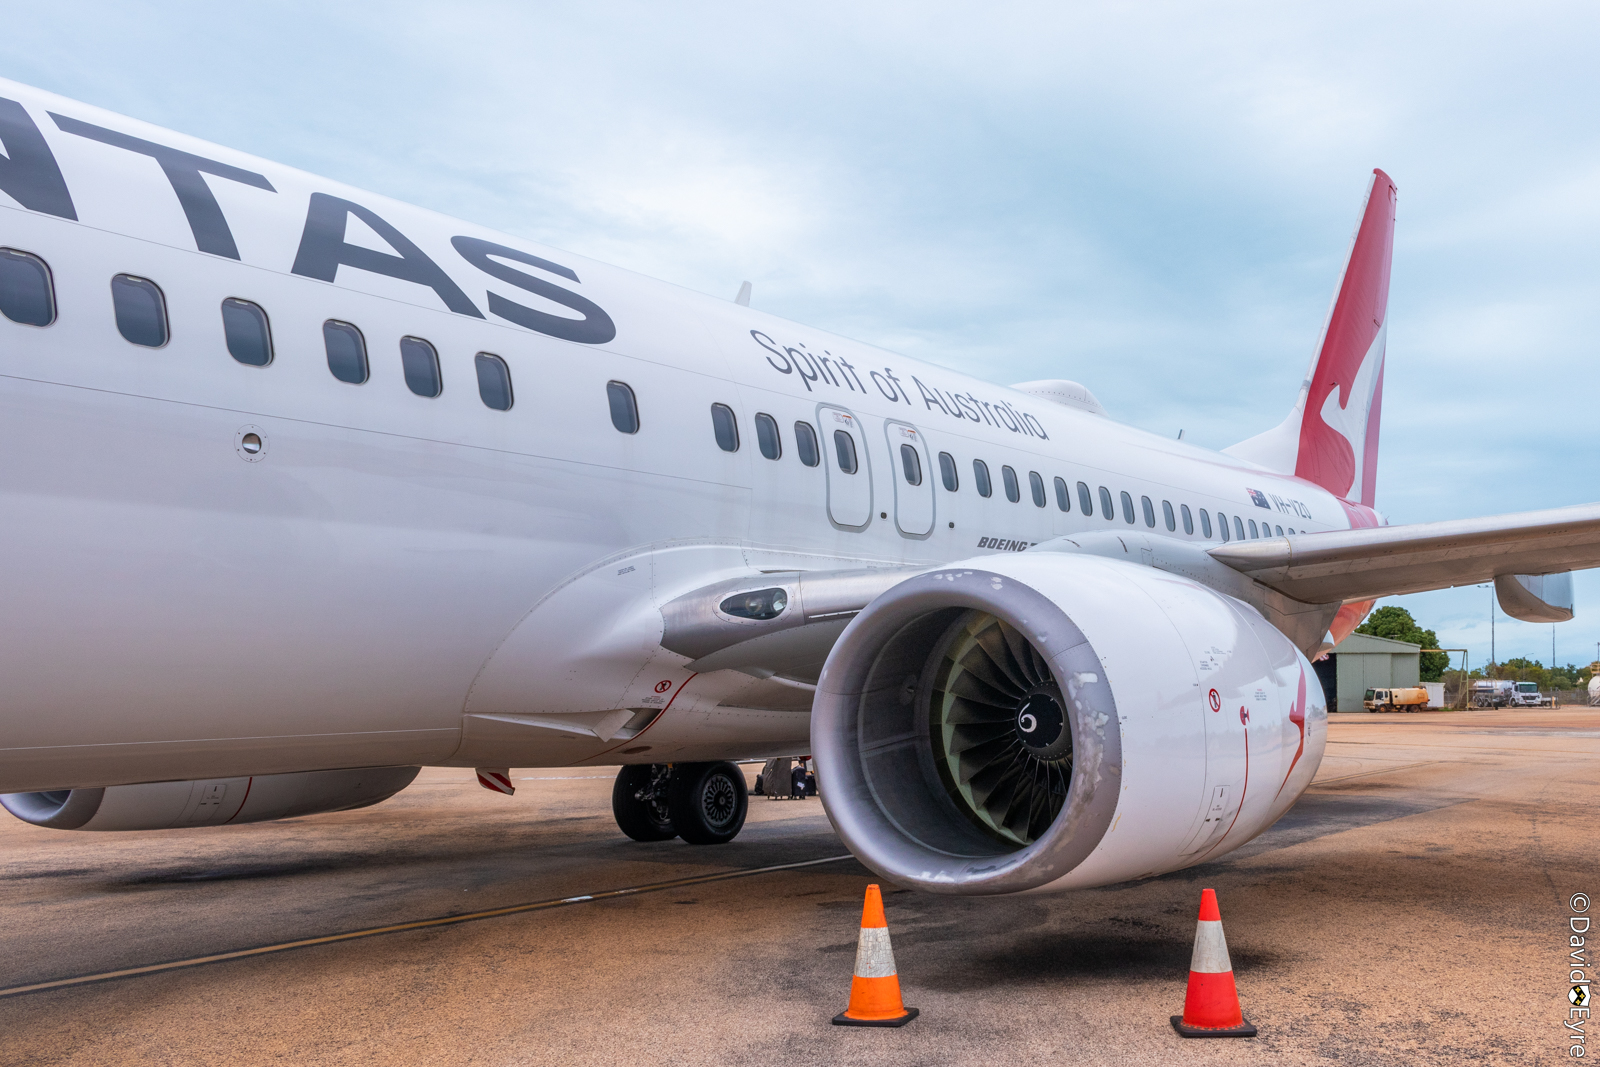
(396, 579)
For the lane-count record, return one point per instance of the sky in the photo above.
(1153, 199)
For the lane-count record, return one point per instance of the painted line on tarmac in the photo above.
(420, 924)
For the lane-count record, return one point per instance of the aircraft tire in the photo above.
(708, 802)
(642, 820)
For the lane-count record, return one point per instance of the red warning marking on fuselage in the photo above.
(1216, 700)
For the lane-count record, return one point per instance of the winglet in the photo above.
(1331, 436)
(743, 299)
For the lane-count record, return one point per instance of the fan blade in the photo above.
(965, 683)
(962, 712)
(1021, 653)
(993, 642)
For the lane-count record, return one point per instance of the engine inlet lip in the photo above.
(872, 832)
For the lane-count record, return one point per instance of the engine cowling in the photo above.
(1041, 722)
(208, 802)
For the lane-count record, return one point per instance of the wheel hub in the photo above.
(719, 801)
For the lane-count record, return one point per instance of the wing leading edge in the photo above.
(1527, 556)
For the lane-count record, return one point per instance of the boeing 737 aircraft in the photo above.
(304, 489)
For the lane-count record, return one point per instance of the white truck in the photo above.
(1527, 695)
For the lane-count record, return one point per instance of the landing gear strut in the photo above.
(704, 803)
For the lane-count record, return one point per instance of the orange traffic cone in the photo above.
(1211, 1007)
(875, 988)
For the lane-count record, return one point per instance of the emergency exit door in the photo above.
(849, 477)
(913, 479)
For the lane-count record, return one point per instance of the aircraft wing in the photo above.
(1365, 564)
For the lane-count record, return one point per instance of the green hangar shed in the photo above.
(1361, 662)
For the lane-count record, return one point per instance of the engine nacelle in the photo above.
(1045, 721)
(212, 802)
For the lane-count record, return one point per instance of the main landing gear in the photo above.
(703, 803)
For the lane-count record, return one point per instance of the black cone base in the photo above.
(1244, 1029)
(844, 1020)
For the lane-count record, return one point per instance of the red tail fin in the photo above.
(1331, 436)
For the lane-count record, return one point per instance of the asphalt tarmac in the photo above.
(1412, 908)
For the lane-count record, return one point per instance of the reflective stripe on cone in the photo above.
(1211, 1005)
(875, 986)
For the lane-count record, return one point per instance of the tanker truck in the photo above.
(1411, 698)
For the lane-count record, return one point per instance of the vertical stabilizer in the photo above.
(1331, 435)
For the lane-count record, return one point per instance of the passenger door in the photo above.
(849, 473)
(913, 479)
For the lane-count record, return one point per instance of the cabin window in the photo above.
(1009, 476)
(1205, 524)
(1188, 518)
(347, 351)
(1222, 524)
(1036, 484)
(1238, 528)
(980, 476)
(624, 407)
(805, 442)
(1149, 512)
(1254, 536)
(1291, 531)
(1085, 500)
(1107, 508)
(141, 310)
(767, 436)
(844, 448)
(726, 427)
(1167, 516)
(494, 381)
(1063, 495)
(1279, 530)
(247, 332)
(911, 464)
(27, 293)
(1127, 508)
(947, 471)
(420, 362)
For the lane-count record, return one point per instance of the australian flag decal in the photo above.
(1260, 498)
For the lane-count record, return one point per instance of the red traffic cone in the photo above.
(875, 987)
(1211, 1007)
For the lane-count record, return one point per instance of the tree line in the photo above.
(1397, 624)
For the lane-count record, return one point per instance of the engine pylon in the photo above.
(1211, 1006)
(875, 986)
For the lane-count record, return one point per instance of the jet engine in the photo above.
(212, 802)
(1047, 721)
